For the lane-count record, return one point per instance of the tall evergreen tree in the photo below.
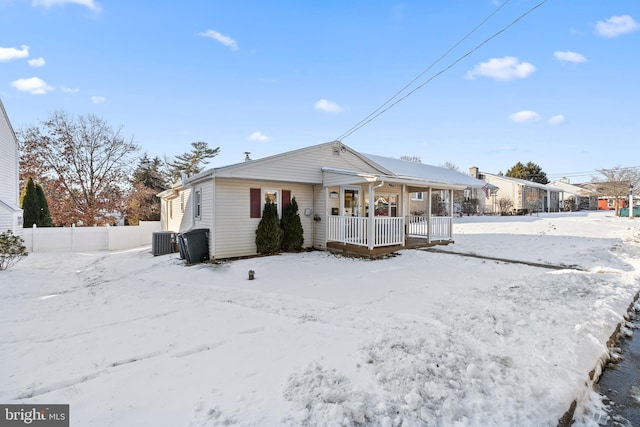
(529, 172)
(146, 182)
(44, 215)
(293, 233)
(269, 233)
(29, 204)
(149, 173)
(34, 206)
(192, 162)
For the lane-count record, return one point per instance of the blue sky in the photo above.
(560, 87)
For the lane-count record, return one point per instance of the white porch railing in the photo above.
(348, 229)
(439, 228)
(354, 230)
(388, 231)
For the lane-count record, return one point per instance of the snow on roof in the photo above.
(404, 168)
(524, 182)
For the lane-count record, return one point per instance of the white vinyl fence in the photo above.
(104, 238)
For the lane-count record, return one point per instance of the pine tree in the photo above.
(269, 233)
(293, 236)
(29, 204)
(44, 216)
(191, 163)
(529, 172)
(34, 206)
(147, 181)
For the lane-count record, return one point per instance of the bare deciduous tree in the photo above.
(616, 183)
(82, 162)
(505, 205)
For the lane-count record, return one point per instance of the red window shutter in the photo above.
(255, 208)
(286, 199)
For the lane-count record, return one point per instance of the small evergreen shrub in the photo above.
(12, 249)
(269, 233)
(293, 237)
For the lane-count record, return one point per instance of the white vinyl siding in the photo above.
(178, 221)
(235, 231)
(298, 166)
(9, 178)
(320, 195)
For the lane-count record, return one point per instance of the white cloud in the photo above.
(617, 26)
(506, 68)
(557, 119)
(69, 89)
(328, 106)
(98, 99)
(225, 40)
(258, 136)
(570, 57)
(9, 53)
(525, 116)
(33, 85)
(90, 4)
(36, 62)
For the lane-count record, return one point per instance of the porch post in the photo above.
(405, 203)
(548, 200)
(451, 214)
(372, 211)
(429, 216)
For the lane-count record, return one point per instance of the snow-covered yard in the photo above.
(421, 338)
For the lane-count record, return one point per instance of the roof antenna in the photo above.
(246, 156)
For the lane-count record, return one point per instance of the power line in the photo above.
(379, 111)
(466, 36)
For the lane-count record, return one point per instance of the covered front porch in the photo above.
(382, 216)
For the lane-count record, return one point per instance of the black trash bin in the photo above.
(181, 248)
(196, 245)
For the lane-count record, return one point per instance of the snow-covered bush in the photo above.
(12, 249)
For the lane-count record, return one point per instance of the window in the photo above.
(198, 203)
(182, 201)
(259, 196)
(170, 208)
(273, 196)
(417, 196)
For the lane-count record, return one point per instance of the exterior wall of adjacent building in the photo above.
(10, 213)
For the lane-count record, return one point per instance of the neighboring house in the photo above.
(609, 203)
(585, 199)
(527, 196)
(10, 212)
(332, 184)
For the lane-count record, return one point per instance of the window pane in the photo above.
(271, 195)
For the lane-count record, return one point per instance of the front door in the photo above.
(351, 202)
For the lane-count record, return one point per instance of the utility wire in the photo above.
(381, 111)
(433, 64)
